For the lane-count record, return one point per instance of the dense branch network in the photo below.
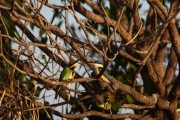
(100, 37)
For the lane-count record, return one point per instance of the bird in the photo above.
(66, 75)
(97, 67)
(108, 101)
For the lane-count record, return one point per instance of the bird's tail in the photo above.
(57, 91)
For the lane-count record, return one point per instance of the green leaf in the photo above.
(130, 99)
(117, 104)
(132, 66)
(11, 28)
(45, 60)
(22, 77)
(44, 40)
(41, 32)
(107, 11)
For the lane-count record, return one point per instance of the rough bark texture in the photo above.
(34, 49)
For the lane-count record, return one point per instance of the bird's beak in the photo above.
(74, 64)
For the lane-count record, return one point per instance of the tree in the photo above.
(139, 56)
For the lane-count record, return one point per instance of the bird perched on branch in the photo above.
(108, 101)
(97, 67)
(66, 75)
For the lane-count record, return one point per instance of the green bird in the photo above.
(97, 68)
(67, 74)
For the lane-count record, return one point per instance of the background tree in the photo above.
(139, 56)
